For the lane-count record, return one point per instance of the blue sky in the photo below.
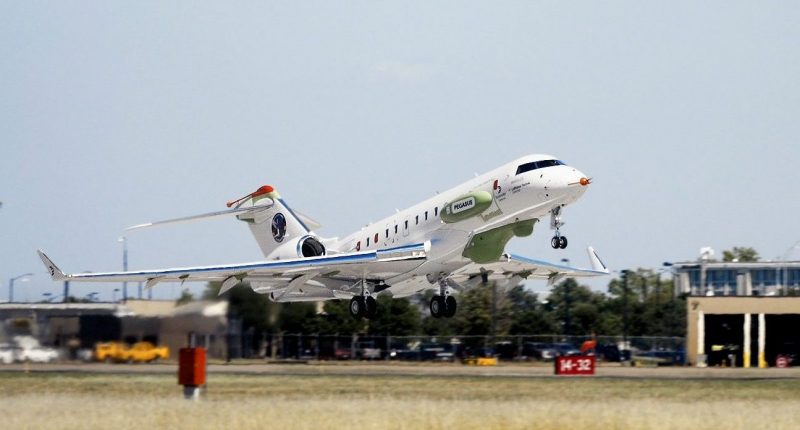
(116, 113)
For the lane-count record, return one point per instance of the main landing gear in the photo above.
(364, 306)
(443, 304)
(558, 241)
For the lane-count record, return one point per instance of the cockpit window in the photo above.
(533, 165)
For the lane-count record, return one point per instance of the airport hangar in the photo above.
(749, 311)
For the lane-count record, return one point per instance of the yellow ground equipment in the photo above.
(108, 351)
(481, 361)
(140, 352)
(145, 352)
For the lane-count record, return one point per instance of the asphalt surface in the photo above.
(411, 370)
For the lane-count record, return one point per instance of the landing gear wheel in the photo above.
(555, 242)
(371, 310)
(562, 242)
(357, 307)
(437, 306)
(450, 307)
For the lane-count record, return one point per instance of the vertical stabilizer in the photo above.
(272, 227)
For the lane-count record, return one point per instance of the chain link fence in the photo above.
(287, 346)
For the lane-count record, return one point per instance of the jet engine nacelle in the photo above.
(301, 247)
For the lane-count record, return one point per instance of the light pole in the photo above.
(786, 266)
(625, 274)
(664, 267)
(124, 241)
(22, 278)
(567, 304)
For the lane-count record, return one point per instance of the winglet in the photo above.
(55, 272)
(597, 264)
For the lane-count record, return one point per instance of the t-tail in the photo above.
(280, 231)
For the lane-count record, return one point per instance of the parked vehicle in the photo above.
(140, 352)
(566, 349)
(506, 350)
(145, 352)
(8, 353)
(109, 351)
(38, 354)
(29, 349)
(608, 352)
(539, 351)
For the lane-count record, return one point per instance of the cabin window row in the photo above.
(376, 237)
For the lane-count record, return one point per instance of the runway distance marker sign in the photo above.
(575, 365)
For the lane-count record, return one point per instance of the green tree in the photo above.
(474, 317)
(397, 317)
(528, 316)
(740, 253)
(186, 297)
(298, 317)
(336, 319)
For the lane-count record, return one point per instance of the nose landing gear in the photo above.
(558, 241)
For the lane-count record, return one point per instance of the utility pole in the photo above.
(124, 241)
(567, 304)
(625, 274)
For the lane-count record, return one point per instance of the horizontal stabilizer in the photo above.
(268, 203)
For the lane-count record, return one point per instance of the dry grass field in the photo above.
(119, 402)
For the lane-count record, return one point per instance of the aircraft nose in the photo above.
(578, 178)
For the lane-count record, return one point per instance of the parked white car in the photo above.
(30, 350)
(8, 353)
(38, 354)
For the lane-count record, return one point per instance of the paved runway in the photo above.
(411, 370)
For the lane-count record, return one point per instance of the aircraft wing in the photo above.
(511, 266)
(372, 265)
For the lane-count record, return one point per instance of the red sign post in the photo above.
(192, 371)
(575, 365)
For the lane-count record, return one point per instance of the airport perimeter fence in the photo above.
(452, 348)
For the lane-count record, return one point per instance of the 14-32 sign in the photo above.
(575, 365)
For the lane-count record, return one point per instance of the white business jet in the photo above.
(449, 242)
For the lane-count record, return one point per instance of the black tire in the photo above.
(562, 242)
(555, 242)
(450, 306)
(371, 307)
(437, 306)
(357, 307)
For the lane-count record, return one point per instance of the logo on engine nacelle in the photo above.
(463, 205)
(278, 227)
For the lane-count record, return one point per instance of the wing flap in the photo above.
(511, 265)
